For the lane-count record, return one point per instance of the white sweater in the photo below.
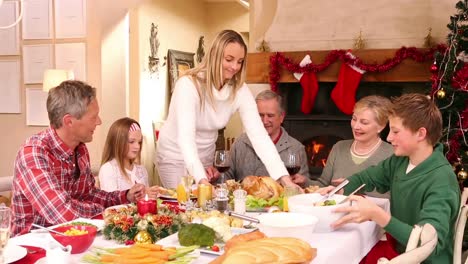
(190, 135)
(111, 178)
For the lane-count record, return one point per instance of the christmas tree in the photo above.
(449, 91)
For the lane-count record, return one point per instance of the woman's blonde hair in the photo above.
(116, 146)
(209, 72)
(379, 105)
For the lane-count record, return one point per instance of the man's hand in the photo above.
(212, 173)
(287, 181)
(136, 193)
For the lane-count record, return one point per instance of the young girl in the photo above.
(120, 167)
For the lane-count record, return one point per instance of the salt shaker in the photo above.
(222, 199)
(240, 197)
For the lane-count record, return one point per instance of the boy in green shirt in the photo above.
(423, 187)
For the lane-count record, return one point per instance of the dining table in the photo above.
(348, 244)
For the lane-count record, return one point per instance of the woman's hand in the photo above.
(299, 179)
(361, 210)
(204, 181)
(287, 181)
(212, 173)
(337, 182)
(153, 191)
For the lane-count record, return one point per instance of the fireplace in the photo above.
(319, 130)
(326, 124)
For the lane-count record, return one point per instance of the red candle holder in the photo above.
(147, 206)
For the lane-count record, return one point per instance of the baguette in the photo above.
(272, 250)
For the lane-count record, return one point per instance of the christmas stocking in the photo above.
(344, 93)
(309, 85)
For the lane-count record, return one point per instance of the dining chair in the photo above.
(460, 229)
(421, 243)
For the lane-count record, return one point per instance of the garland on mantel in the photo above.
(278, 59)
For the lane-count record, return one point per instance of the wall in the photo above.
(180, 24)
(117, 48)
(323, 25)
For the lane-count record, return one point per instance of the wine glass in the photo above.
(5, 220)
(222, 163)
(293, 163)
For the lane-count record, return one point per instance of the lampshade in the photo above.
(54, 77)
(19, 17)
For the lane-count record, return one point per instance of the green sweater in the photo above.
(427, 194)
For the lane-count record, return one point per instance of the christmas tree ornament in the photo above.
(309, 86)
(434, 67)
(143, 237)
(441, 94)
(344, 92)
(462, 175)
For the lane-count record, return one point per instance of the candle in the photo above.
(147, 206)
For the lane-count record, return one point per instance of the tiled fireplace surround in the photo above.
(325, 125)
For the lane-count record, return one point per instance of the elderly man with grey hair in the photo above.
(52, 181)
(244, 160)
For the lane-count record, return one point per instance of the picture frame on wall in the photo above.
(179, 62)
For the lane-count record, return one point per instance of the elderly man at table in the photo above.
(244, 160)
(52, 181)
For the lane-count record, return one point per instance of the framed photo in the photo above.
(179, 62)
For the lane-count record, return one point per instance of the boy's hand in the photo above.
(136, 193)
(361, 210)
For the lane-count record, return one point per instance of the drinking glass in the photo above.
(187, 181)
(288, 192)
(222, 163)
(5, 220)
(293, 163)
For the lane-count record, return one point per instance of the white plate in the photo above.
(173, 240)
(99, 223)
(13, 253)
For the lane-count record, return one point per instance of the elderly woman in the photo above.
(366, 149)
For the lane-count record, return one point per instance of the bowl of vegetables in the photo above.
(314, 204)
(79, 237)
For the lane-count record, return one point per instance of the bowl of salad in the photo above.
(314, 204)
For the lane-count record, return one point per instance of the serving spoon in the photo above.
(48, 229)
(333, 191)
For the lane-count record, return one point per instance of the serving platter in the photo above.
(173, 240)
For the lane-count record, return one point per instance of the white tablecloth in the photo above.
(346, 245)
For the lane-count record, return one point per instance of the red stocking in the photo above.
(344, 93)
(309, 85)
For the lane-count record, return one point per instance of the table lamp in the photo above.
(54, 77)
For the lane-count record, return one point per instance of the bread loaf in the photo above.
(262, 187)
(272, 250)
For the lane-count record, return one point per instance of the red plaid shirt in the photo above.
(45, 190)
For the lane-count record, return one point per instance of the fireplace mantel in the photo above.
(258, 67)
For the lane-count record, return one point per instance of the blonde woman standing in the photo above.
(203, 101)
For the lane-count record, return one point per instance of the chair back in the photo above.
(460, 228)
(421, 243)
